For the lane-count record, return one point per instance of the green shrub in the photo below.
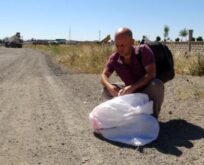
(199, 38)
(158, 38)
(177, 39)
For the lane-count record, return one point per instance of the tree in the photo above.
(158, 38)
(193, 39)
(183, 33)
(166, 32)
(199, 38)
(177, 39)
(144, 39)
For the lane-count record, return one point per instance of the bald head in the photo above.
(123, 32)
(124, 42)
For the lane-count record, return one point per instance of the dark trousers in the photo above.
(155, 91)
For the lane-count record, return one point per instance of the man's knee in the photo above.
(157, 85)
(155, 90)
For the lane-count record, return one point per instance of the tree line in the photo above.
(182, 33)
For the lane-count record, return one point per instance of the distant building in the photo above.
(61, 41)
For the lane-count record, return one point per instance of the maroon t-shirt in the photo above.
(134, 71)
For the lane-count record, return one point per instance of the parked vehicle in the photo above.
(61, 41)
(14, 42)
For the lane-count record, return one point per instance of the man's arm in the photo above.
(105, 81)
(150, 74)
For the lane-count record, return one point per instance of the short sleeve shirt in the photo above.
(131, 73)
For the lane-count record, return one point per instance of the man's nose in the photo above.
(120, 49)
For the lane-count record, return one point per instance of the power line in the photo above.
(69, 32)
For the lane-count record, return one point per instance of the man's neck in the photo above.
(127, 59)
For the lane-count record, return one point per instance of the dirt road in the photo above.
(44, 118)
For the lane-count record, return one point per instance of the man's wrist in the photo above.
(133, 87)
(108, 85)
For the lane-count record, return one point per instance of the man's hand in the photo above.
(150, 74)
(126, 90)
(113, 90)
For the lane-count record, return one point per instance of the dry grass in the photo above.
(91, 58)
(86, 58)
(192, 64)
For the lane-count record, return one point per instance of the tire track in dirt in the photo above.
(37, 121)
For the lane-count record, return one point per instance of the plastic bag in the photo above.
(126, 119)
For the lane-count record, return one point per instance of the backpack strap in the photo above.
(139, 55)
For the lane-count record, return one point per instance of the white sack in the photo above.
(126, 119)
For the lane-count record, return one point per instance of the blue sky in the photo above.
(51, 19)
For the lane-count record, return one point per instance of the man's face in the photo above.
(123, 45)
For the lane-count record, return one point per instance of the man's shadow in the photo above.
(173, 134)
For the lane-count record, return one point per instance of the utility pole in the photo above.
(190, 35)
(69, 32)
(99, 35)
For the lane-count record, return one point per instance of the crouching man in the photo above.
(138, 76)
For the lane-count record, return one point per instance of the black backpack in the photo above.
(164, 61)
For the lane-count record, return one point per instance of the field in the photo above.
(91, 58)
